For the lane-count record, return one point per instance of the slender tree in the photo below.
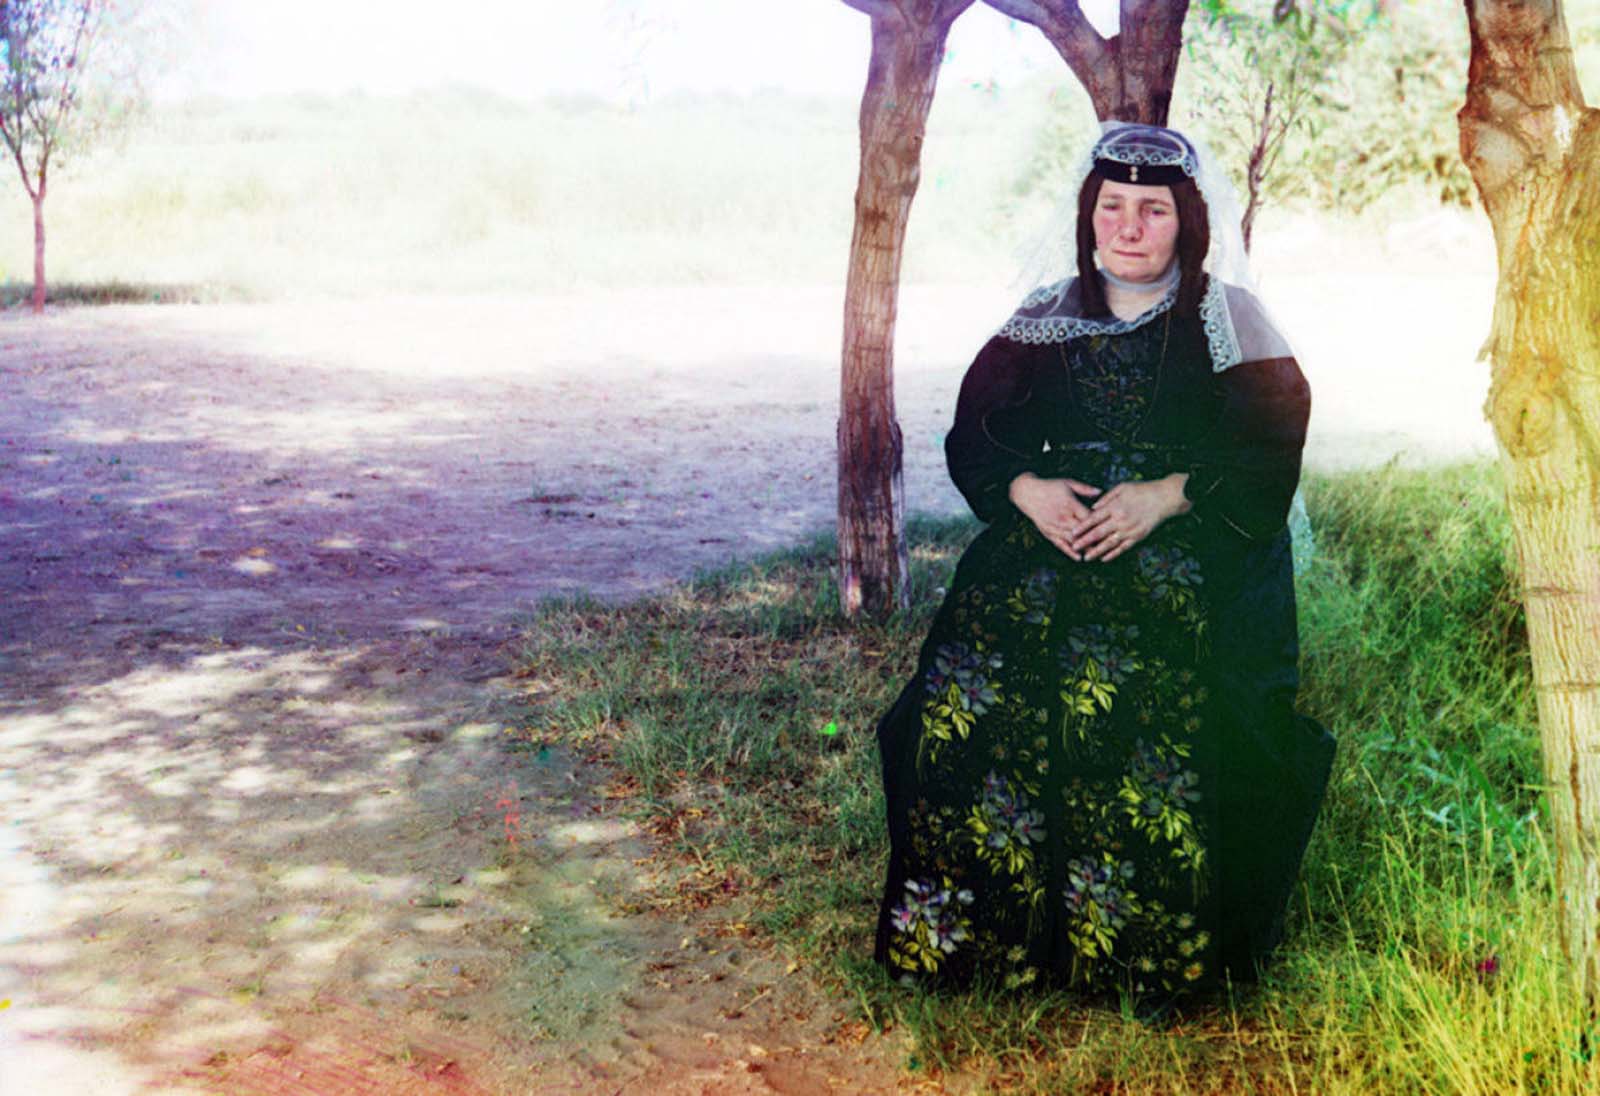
(1128, 76)
(908, 43)
(1533, 148)
(1264, 66)
(46, 47)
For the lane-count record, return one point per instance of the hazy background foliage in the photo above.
(1381, 91)
(463, 190)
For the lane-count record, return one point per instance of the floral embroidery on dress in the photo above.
(1058, 825)
(1115, 378)
(930, 923)
(1005, 828)
(960, 688)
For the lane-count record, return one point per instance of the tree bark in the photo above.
(1532, 147)
(37, 301)
(1151, 41)
(908, 43)
(1128, 76)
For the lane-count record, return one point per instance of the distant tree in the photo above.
(50, 104)
(1338, 103)
(1264, 68)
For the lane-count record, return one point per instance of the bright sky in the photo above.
(620, 49)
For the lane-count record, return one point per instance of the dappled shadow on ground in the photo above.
(380, 452)
(263, 827)
(260, 818)
(232, 858)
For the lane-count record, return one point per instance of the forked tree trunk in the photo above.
(901, 77)
(1128, 76)
(1534, 150)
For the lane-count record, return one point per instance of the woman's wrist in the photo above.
(1180, 501)
(1018, 481)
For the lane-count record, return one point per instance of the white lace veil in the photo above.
(1238, 327)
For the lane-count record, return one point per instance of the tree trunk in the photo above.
(1149, 42)
(1129, 75)
(38, 251)
(901, 78)
(1532, 146)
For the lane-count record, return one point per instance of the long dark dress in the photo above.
(1096, 776)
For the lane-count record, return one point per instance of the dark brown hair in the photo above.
(1194, 239)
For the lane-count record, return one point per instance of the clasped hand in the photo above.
(1104, 529)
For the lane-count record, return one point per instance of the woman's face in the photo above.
(1135, 230)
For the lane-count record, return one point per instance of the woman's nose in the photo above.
(1129, 225)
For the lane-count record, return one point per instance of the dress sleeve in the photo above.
(998, 433)
(1245, 471)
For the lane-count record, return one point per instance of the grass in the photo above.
(115, 291)
(463, 191)
(1423, 952)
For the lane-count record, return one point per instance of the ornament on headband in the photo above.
(1142, 174)
(1147, 155)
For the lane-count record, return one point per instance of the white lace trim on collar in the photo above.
(1045, 317)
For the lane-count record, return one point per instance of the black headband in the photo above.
(1143, 174)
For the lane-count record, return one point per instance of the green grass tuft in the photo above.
(1423, 951)
(14, 294)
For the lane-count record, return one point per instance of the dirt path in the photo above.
(260, 830)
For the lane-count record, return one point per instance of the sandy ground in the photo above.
(260, 827)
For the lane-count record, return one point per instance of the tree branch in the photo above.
(874, 8)
(1024, 11)
(949, 10)
(1069, 16)
(14, 143)
(1059, 19)
(1064, 25)
(69, 80)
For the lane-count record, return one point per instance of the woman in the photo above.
(1096, 776)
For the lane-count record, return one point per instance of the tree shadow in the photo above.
(252, 774)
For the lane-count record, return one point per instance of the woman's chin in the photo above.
(1141, 273)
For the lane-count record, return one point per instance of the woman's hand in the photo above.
(1126, 514)
(1053, 506)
